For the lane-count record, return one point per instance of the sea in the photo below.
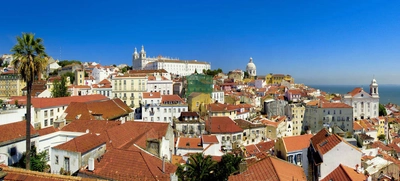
(388, 93)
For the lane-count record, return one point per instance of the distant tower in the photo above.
(373, 89)
(135, 54)
(142, 53)
(251, 68)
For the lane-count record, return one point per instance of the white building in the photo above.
(207, 144)
(327, 154)
(251, 68)
(228, 133)
(162, 108)
(366, 105)
(218, 96)
(100, 73)
(52, 65)
(73, 155)
(160, 84)
(173, 65)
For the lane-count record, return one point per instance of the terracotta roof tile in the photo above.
(344, 173)
(65, 101)
(357, 126)
(189, 143)
(166, 98)
(149, 95)
(265, 146)
(108, 109)
(82, 144)
(209, 139)
(355, 91)
(14, 174)
(296, 143)
(47, 130)
(220, 125)
(271, 168)
(14, 131)
(134, 164)
(105, 81)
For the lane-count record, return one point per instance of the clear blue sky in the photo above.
(317, 42)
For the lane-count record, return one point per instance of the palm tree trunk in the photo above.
(28, 125)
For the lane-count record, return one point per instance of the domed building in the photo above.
(251, 68)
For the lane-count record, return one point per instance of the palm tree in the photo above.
(198, 168)
(29, 61)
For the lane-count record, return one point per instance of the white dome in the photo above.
(251, 65)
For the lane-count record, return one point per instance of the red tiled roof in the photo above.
(271, 168)
(166, 98)
(79, 86)
(334, 105)
(216, 107)
(209, 139)
(296, 143)
(82, 143)
(65, 101)
(355, 91)
(47, 130)
(14, 131)
(132, 164)
(108, 109)
(94, 126)
(265, 146)
(148, 95)
(251, 150)
(220, 125)
(189, 143)
(18, 174)
(357, 126)
(344, 173)
(104, 81)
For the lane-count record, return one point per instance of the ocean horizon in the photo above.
(388, 93)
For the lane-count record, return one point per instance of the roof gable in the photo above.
(82, 143)
(296, 143)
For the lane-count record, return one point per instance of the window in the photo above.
(13, 151)
(290, 158)
(45, 123)
(234, 138)
(51, 121)
(56, 160)
(298, 158)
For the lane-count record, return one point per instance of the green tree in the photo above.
(382, 110)
(382, 137)
(60, 88)
(246, 75)
(228, 165)
(71, 76)
(68, 62)
(38, 161)
(199, 168)
(29, 60)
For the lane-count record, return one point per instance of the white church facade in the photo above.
(172, 65)
(365, 105)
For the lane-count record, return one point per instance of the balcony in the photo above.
(124, 98)
(132, 98)
(151, 113)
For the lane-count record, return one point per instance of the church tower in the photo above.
(142, 53)
(373, 89)
(135, 54)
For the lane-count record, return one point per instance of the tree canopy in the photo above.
(202, 167)
(60, 88)
(382, 110)
(64, 63)
(212, 72)
(71, 76)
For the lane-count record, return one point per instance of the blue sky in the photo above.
(317, 42)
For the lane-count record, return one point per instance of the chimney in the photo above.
(123, 120)
(242, 166)
(357, 168)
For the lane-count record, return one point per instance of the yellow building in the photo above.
(278, 78)
(198, 101)
(222, 110)
(129, 88)
(79, 77)
(296, 115)
(10, 84)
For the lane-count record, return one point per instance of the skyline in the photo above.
(317, 42)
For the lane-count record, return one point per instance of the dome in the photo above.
(251, 65)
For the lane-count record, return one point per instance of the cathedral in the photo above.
(365, 105)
